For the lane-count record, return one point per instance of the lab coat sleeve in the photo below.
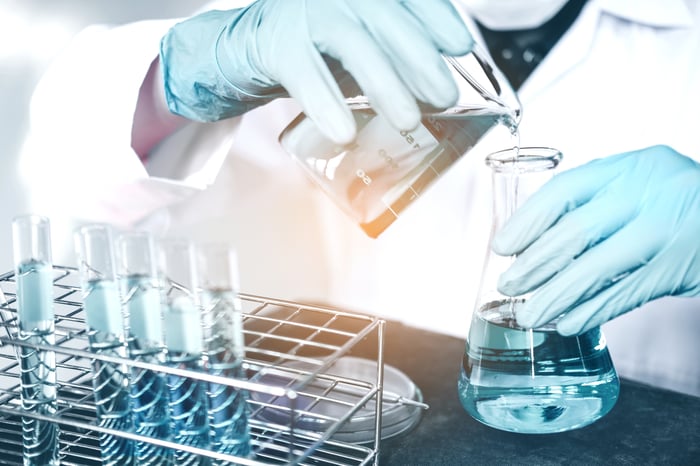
(77, 162)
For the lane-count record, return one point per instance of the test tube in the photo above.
(183, 339)
(95, 252)
(223, 347)
(142, 308)
(34, 274)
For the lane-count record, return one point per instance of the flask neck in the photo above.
(516, 175)
(506, 197)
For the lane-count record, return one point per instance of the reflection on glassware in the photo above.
(529, 380)
(377, 176)
(142, 307)
(183, 339)
(34, 275)
(223, 348)
(95, 252)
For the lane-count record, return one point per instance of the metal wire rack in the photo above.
(289, 349)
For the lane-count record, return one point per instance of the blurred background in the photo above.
(32, 34)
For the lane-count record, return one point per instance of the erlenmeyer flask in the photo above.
(378, 175)
(529, 380)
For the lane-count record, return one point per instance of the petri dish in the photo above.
(331, 395)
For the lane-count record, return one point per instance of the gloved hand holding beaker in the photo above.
(222, 63)
(604, 238)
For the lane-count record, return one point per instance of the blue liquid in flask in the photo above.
(38, 367)
(149, 389)
(228, 409)
(110, 380)
(534, 381)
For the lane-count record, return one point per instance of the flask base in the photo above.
(537, 411)
(534, 381)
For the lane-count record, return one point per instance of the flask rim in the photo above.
(528, 159)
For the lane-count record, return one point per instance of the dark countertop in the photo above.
(646, 426)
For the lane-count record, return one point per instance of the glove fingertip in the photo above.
(343, 133)
(525, 319)
(502, 245)
(403, 114)
(340, 128)
(444, 24)
(568, 326)
(443, 93)
(459, 43)
(508, 286)
(506, 243)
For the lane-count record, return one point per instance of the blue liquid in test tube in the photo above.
(149, 389)
(142, 306)
(228, 411)
(188, 396)
(105, 323)
(183, 338)
(110, 380)
(38, 376)
(224, 348)
(34, 275)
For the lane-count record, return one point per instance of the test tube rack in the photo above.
(297, 343)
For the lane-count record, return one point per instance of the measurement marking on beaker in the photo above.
(437, 173)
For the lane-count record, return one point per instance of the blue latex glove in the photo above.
(222, 63)
(604, 238)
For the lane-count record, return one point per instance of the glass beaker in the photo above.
(379, 174)
(528, 380)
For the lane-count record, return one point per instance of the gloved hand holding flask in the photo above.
(604, 238)
(223, 63)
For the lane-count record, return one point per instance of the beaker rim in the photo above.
(524, 159)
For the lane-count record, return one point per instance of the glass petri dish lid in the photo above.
(329, 396)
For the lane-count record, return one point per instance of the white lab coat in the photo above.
(625, 76)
